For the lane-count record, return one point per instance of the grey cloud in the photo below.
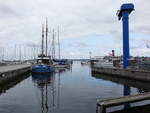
(81, 44)
(6, 11)
(32, 45)
(78, 45)
(143, 29)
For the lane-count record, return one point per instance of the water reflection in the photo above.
(49, 87)
(46, 84)
(126, 92)
(127, 85)
(141, 86)
(65, 92)
(12, 83)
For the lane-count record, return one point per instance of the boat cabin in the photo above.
(44, 60)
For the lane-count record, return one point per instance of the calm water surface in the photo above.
(70, 91)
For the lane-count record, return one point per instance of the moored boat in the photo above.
(44, 62)
(42, 69)
(61, 63)
(43, 65)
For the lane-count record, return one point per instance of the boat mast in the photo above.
(58, 44)
(42, 49)
(53, 45)
(20, 53)
(46, 35)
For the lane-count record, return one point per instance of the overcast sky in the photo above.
(85, 25)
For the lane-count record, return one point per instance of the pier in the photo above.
(7, 73)
(103, 104)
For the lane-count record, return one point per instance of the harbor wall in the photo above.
(8, 76)
(124, 73)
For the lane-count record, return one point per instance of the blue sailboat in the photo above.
(42, 69)
(44, 62)
(43, 66)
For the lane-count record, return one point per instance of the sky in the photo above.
(85, 26)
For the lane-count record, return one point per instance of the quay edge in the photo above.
(123, 73)
(10, 75)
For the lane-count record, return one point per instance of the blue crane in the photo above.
(123, 14)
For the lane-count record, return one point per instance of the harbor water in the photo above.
(73, 90)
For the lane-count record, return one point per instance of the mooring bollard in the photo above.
(100, 109)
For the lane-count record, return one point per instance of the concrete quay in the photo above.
(123, 73)
(8, 73)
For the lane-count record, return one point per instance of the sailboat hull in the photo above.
(42, 69)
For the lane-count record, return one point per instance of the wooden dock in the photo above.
(103, 104)
(9, 72)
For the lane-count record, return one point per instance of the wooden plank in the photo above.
(123, 100)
